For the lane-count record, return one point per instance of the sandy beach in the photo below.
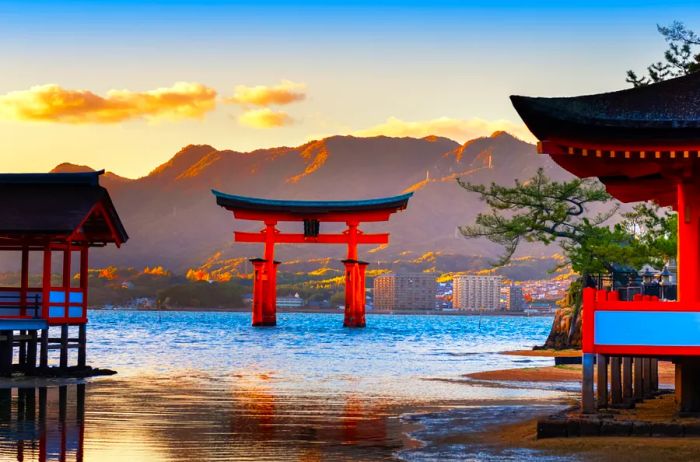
(522, 434)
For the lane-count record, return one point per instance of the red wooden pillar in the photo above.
(268, 286)
(354, 293)
(46, 283)
(350, 292)
(67, 257)
(688, 242)
(24, 281)
(269, 305)
(361, 294)
(258, 286)
(82, 334)
(688, 208)
(352, 232)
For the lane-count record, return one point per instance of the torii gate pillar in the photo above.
(264, 292)
(354, 293)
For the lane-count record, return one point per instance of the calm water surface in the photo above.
(208, 386)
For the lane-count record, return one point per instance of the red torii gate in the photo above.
(311, 213)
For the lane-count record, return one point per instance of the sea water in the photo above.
(208, 386)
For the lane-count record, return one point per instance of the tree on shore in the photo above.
(546, 211)
(679, 59)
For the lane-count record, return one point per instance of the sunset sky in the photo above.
(123, 86)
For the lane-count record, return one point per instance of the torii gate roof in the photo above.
(322, 210)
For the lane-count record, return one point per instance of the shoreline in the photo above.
(523, 434)
(332, 311)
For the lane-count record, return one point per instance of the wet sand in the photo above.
(613, 449)
(522, 434)
(564, 373)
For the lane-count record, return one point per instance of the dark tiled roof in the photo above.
(54, 203)
(665, 112)
(314, 207)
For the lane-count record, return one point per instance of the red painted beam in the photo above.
(374, 215)
(559, 146)
(290, 238)
(643, 350)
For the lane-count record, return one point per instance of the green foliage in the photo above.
(196, 294)
(541, 210)
(338, 299)
(679, 59)
(546, 211)
(655, 231)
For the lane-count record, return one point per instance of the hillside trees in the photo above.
(546, 211)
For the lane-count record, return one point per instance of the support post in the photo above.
(654, 375)
(646, 374)
(615, 381)
(31, 350)
(258, 290)
(84, 279)
(638, 379)
(687, 376)
(627, 395)
(24, 281)
(44, 350)
(46, 283)
(268, 286)
(602, 389)
(688, 208)
(362, 294)
(82, 345)
(22, 349)
(587, 398)
(63, 362)
(67, 256)
(352, 232)
(6, 347)
(270, 300)
(354, 293)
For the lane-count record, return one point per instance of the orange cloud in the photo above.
(264, 118)
(457, 129)
(284, 93)
(52, 103)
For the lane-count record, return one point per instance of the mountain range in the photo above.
(173, 220)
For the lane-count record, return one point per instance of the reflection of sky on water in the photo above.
(207, 386)
(313, 352)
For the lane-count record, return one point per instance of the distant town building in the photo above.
(405, 291)
(472, 292)
(290, 302)
(542, 307)
(513, 299)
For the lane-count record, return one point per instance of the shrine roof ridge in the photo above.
(299, 206)
(71, 178)
(664, 112)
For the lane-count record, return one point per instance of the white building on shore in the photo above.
(475, 293)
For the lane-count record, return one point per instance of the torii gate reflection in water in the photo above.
(311, 213)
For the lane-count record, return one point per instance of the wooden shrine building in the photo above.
(643, 144)
(311, 214)
(59, 216)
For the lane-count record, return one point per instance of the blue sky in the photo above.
(361, 65)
